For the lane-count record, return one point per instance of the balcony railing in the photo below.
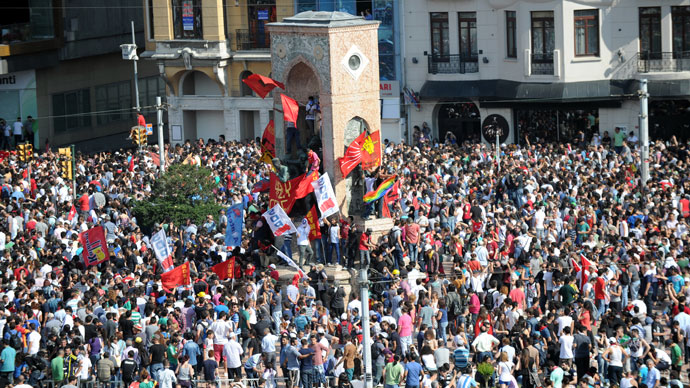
(542, 64)
(452, 64)
(649, 62)
(247, 40)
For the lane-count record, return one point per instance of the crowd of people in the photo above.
(559, 269)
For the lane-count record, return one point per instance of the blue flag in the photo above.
(233, 232)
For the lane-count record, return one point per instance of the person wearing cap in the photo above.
(232, 352)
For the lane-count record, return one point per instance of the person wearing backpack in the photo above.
(377, 358)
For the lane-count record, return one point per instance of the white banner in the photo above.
(325, 196)
(162, 250)
(279, 222)
(290, 262)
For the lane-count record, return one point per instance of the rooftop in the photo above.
(324, 19)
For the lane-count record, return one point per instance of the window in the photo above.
(587, 32)
(187, 19)
(72, 110)
(439, 34)
(681, 30)
(149, 89)
(244, 89)
(650, 32)
(511, 40)
(542, 35)
(150, 18)
(115, 98)
(467, 24)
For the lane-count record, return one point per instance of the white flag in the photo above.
(162, 250)
(325, 196)
(279, 222)
(290, 262)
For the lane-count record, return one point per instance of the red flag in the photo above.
(393, 195)
(576, 266)
(290, 109)
(371, 151)
(178, 276)
(225, 270)
(286, 193)
(155, 158)
(94, 246)
(386, 212)
(262, 85)
(72, 213)
(262, 186)
(312, 219)
(268, 143)
(353, 155)
(130, 168)
(140, 120)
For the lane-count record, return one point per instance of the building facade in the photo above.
(203, 49)
(545, 69)
(60, 63)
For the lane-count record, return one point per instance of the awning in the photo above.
(504, 92)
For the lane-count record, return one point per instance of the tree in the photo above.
(184, 191)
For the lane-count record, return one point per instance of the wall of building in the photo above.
(209, 124)
(71, 75)
(626, 116)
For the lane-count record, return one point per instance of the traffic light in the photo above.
(65, 162)
(25, 152)
(138, 135)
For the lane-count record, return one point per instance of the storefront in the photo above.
(18, 97)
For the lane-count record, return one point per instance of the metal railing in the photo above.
(82, 384)
(542, 64)
(453, 64)
(658, 62)
(247, 40)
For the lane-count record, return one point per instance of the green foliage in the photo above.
(184, 191)
(485, 369)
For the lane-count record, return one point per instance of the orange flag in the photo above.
(290, 109)
(178, 276)
(225, 270)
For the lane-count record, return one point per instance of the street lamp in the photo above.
(493, 129)
(129, 53)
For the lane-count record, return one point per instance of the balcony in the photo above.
(248, 40)
(663, 62)
(542, 64)
(452, 64)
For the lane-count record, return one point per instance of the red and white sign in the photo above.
(279, 222)
(325, 197)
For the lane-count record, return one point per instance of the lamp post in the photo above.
(129, 53)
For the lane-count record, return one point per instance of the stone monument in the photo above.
(332, 56)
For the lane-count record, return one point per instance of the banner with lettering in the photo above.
(279, 222)
(325, 197)
(95, 248)
(286, 193)
(178, 276)
(233, 232)
(162, 250)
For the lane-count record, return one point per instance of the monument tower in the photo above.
(332, 56)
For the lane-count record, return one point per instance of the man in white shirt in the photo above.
(305, 251)
(233, 353)
(566, 351)
(564, 321)
(17, 131)
(166, 377)
(33, 340)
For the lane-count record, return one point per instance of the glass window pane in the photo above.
(593, 40)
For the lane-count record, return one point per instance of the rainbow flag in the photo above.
(380, 191)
